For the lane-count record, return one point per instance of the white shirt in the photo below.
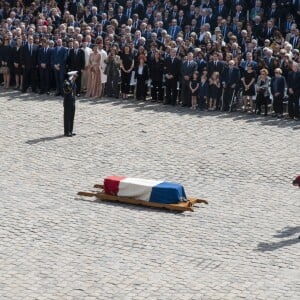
(87, 52)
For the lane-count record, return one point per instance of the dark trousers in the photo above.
(157, 92)
(171, 91)
(112, 86)
(78, 82)
(227, 96)
(141, 89)
(261, 100)
(293, 106)
(201, 102)
(278, 104)
(29, 79)
(44, 80)
(69, 114)
(185, 93)
(125, 82)
(59, 79)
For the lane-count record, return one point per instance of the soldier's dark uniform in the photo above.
(69, 89)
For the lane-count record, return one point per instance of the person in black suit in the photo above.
(76, 62)
(29, 62)
(273, 13)
(156, 75)
(269, 30)
(138, 9)
(141, 75)
(172, 72)
(239, 13)
(187, 70)
(296, 10)
(293, 91)
(277, 91)
(215, 65)
(69, 91)
(230, 78)
(221, 9)
(121, 17)
(16, 59)
(44, 62)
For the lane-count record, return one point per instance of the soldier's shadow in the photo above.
(285, 232)
(44, 139)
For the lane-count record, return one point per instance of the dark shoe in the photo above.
(73, 133)
(183, 105)
(69, 134)
(41, 92)
(23, 91)
(57, 94)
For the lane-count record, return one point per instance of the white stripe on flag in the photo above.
(137, 188)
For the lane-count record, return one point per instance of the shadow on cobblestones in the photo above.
(132, 206)
(262, 120)
(235, 116)
(44, 139)
(285, 232)
(263, 247)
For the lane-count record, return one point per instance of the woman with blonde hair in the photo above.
(263, 91)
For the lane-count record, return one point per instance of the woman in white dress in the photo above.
(103, 54)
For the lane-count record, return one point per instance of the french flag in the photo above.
(144, 189)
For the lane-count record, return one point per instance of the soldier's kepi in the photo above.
(69, 89)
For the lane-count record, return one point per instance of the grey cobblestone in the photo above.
(55, 245)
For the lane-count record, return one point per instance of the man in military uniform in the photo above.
(69, 89)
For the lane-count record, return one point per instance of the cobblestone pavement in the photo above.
(54, 245)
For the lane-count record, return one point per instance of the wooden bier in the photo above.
(181, 206)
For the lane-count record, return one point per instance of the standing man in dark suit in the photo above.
(172, 71)
(29, 62)
(269, 30)
(76, 62)
(58, 62)
(277, 90)
(187, 70)
(293, 91)
(230, 78)
(221, 9)
(44, 62)
(215, 65)
(296, 10)
(69, 91)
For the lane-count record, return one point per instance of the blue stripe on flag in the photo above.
(168, 193)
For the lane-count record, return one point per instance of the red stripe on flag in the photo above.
(111, 184)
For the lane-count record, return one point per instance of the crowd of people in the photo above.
(196, 53)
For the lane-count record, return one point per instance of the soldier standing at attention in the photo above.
(69, 89)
